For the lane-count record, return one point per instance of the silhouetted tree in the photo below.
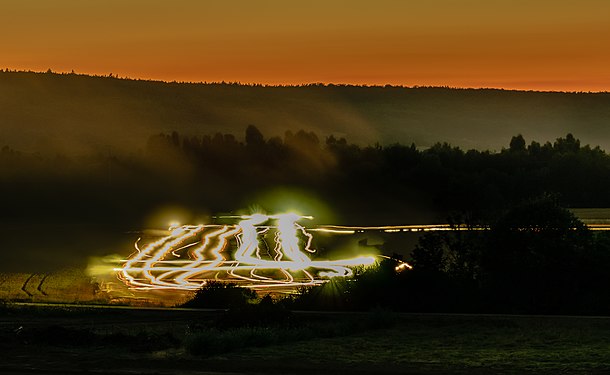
(531, 261)
(567, 144)
(534, 148)
(429, 254)
(254, 138)
(217, 294)
(517, 143)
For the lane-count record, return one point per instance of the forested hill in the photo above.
(69, 112)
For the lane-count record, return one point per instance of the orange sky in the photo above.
(539, 45)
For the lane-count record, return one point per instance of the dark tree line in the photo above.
(368, 185)
(473, 181)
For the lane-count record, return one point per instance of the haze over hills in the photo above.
(70, 113)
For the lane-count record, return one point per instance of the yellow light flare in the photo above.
(403, 266)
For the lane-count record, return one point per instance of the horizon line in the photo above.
(305, 84)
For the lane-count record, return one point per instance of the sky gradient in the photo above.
(513, 44)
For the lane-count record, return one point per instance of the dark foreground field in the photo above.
(108, 341)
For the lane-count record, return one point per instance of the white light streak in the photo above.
(191, 255)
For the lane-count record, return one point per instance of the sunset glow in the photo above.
(542, 45)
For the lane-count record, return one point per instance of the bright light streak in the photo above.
(334, 231)
(403, 266)
(164, 264)
(190, 255)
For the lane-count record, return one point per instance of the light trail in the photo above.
(342, 229)
(189, 256)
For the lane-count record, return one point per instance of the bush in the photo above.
(221, 295)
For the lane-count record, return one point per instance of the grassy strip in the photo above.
(380, 342)
(460, 345)
(212, 341)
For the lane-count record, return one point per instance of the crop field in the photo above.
(66, 286)
(75, 286)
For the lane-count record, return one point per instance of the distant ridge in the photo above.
(308, 84)
(50, 112)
